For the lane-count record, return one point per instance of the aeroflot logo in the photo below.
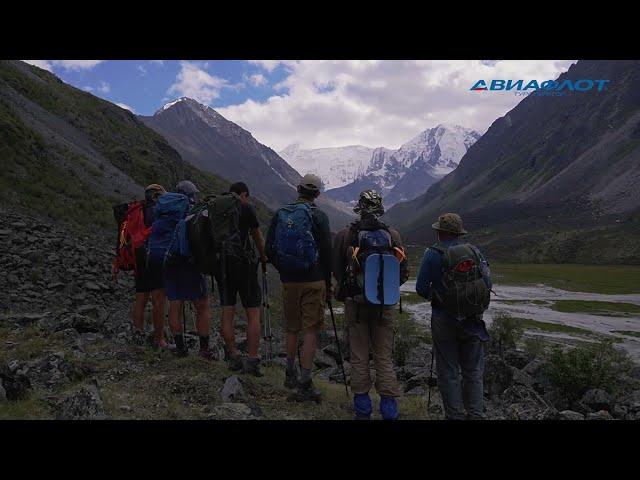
(522, 87)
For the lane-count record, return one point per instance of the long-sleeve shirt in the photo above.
(322, 236)
(430, 277)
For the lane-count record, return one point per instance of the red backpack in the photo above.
(132, 235)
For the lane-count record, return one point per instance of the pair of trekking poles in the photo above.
(267, 335)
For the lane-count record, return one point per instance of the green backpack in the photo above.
(213, 229)
(466, 293)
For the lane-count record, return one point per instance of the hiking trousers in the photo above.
(367, 331)
(460, 366)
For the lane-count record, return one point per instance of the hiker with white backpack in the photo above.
(369, 264)
(299, 246)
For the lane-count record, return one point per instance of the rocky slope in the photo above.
(214, 144)
(67, 353)
(408, 172)
(555, 179)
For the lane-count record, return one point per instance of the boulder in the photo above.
(619, 411)
(524, 403)
(498, 376)
(521, 378)
(15, 382)
(597, 399)
(570, 415)
(534, 367)
(85, 404)
(516, 358)
(600, 415)
(232, 390)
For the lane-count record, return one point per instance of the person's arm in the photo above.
(324, 245)
(258, 239)
(268, 244)
(338, 261)
(423, 282)
(404, 264)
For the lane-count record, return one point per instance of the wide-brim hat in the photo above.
(451, 223)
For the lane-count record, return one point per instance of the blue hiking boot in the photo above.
(362, 406)
(389, 408)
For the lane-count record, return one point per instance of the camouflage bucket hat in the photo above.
(450, 222)
(369, 202)
(311, 182)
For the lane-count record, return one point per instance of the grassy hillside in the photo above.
(60, 146)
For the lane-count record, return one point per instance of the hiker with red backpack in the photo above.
(299, 246)
(455, 276)
(369, 264)
(183, 281)
(134, 228)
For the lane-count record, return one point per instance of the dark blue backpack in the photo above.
(171, 208)
(296, 249)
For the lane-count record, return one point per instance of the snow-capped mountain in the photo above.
(336, 166)
(407, 172)
(206, 139)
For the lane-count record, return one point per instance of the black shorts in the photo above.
(241, 278)
(148, 276)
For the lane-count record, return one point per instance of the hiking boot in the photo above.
(306, 392)
(291, 379)
(252, 367)
(235, 363)
(139, 338)
(207, 354)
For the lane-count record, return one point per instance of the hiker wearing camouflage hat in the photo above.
(369, 203)
(456, 278)
(369, 326)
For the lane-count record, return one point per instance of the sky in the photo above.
(315, 103)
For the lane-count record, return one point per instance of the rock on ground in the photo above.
(85, 404)
(597, 399)
(570, 415)
(232, 390)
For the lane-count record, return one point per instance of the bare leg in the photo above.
(253, 331)
(159, 299)
(291, 344)
(138, 310)
(203, 316)
(309, 347)
(175, 311)
(227, 330)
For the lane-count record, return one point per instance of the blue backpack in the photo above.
(170, 210)
(375, 267)
(296, 249)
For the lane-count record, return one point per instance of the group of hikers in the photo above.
(172, 240)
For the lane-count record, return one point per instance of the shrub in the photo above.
(504, 332)
(534, 346)
(574, 371)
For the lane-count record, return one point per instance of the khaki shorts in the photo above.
(303, 304)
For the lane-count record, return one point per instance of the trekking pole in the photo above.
(335, 331)
(266, 317)
(430, 379)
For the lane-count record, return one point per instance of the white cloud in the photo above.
(194, 82)
(258, 80)
(142, 70)
(380, 103)
(104, 87)
(157, 62)
(65, 64)
(88, 88)
(126, 107)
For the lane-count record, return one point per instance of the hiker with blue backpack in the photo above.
(183, 280)
(299, 247)
(455, 276)
(369, 264)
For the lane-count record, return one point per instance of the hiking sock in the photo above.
(179, 339)
(291, 364)
(306, 375)
(204, 342)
